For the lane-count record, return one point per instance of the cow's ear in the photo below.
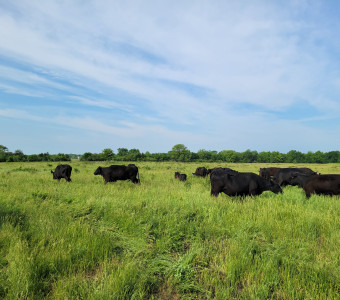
(52, 172)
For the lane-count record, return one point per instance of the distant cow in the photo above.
(62, 171)
(118, 172)
(283, 175)
(241, 184)
(181, 177)
(328, 184)
(268, 172)
(201, 171)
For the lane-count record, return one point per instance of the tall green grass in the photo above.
(162, 239)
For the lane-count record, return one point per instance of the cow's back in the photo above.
(268, 172)
(282, 176)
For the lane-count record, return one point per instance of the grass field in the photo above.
(162, 239)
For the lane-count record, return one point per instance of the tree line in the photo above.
(18, 155)
(179, 153)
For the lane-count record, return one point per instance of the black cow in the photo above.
(241, 184)
(181, 177)
(222, 170)
(201, 171)
(62, 171)
(299, 179)
(327, 184)
(118, 172)
(268, 172)
(283, 175)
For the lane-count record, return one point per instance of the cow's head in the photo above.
(176, 174)
(274, 187)
(98, 171)
(264, 173)
(54, 176)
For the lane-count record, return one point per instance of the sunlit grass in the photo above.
(162, 239)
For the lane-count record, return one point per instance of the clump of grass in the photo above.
(25, 169)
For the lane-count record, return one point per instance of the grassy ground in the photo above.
(162, 239)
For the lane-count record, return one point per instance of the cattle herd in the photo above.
(231, 182)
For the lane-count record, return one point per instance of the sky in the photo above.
(81, 76)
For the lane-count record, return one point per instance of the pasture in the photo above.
(162, 238)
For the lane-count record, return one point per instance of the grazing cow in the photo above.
(222, 170)
(241, 184)
(328, 184)
(118, 172)
(181, 177)
(268, 172)
(62, 171)
(283, 175)
(299, 179)
(201, 171)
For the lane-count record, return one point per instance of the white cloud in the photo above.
(260, 54)
(101, 103)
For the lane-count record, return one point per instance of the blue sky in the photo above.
(78, 76)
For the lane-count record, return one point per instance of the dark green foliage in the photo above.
(181, 153)
(108, 154)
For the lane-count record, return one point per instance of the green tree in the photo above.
(309, 157)
(294, 156)
(318, 157)
(332, 157)
(107, 154)
(180, 153)
(134, 154)
(230, 156)
(3, 153)
(207, 155)
(249, 156)
(3, 148)
(33, 157)
(87, 156)
(159, 157)
(45, 156)
(122, 151)
(276, 157)
(61, 157)
(263, 157)
(204, 155)
(19, 156)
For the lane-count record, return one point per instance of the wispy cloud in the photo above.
(222, 72)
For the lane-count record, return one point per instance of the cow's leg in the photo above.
(308, 193)
(213, 193)
(215, 190)
(252, 189)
